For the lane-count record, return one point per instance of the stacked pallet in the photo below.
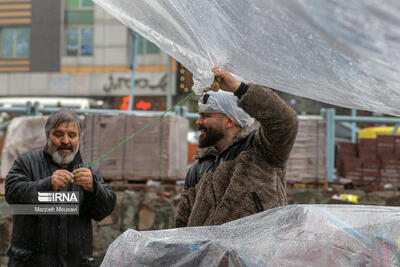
(375, 161)
(397, 146)
(370, 170)
(367, 149)
(159, 152)
(346, 151)
(307, 161)
(389, 161)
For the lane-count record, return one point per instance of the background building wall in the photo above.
(45, 36)
(15, 19)
(98, 65)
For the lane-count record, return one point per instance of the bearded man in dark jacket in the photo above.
(56, 240)
(239, 171)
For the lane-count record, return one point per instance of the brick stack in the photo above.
(390, 162)
(375, 162)
(352, 167)
(370, 170)
(160, 151)
(367, 149)
(367, 152)
(385, 146)
(307, 161)
(397, 146)
(345, 151)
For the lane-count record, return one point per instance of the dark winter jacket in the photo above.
(53, 240)
(248, 176)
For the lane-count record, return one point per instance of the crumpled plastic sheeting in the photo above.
(24, 134)
(224, 102)
(345, 53)
(295, 235)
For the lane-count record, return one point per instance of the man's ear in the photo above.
(228, 123)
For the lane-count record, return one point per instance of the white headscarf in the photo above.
(225, 102)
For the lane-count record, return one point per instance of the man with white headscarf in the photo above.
(238, 170)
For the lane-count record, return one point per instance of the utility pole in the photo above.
(170, 85)
(131, 93)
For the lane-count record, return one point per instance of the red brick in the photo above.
(346, 148)
(368, 155)
(368, 163)
(371, 173)
(387, 139)
(367, 143)
(351, 164)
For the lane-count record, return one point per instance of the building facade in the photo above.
(75, 48)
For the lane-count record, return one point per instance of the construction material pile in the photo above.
(307, 161)
(159, 152)
(303, 235)
(371, 161)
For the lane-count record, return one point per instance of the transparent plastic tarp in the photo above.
(295, 235)
(340, 52)
(24, 134)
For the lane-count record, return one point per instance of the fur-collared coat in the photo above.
(251, 181)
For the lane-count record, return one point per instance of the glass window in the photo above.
(147, 47)
(79, 42)
(7, 43)
(79, 3)
(72, 42)
(73, 4)
(151, 48)
(15, 42)
(87, 3)
(79, 37)
(22, 43)
(79, 17)
(140, 44)
(87, 41)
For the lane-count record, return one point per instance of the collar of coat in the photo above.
(212, 151)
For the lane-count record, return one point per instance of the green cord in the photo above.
(133, 135)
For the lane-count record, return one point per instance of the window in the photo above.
(79, 19)
(15, 42)
(144, 46)
(79, 41)
(79, 3)
(147, 47)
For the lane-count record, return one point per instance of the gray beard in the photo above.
(64, 160)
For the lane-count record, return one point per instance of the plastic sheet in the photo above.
(24, 134)
(340, 52)
(295, 235)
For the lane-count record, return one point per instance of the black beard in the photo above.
(210, 137)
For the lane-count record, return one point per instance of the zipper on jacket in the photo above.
(257, 202)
